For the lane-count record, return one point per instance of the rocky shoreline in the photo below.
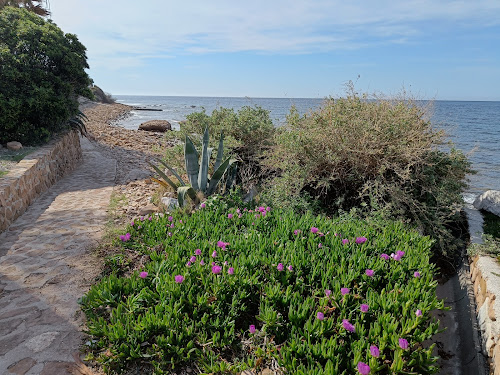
(131, 149)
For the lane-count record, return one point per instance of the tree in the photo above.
(37, 7)
(42, 73)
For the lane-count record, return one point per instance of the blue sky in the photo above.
(296, 48)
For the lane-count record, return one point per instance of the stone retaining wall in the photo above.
(36, 173)
(485, 274)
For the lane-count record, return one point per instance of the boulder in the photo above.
(149, 209)
(170, 203)
(156, 126)
(489, 201)
(14, 146)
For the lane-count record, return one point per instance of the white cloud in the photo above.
(140, 30)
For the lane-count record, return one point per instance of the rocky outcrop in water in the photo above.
(489, 201)
(156, 126)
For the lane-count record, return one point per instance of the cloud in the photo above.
(141, 30)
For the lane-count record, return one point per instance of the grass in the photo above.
(491, 225)
(171, 314)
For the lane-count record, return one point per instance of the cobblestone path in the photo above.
(45, 266)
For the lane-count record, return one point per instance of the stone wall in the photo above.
(485, 274)
(35, 174)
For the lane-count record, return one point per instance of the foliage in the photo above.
(197, 168)
(272, 269)
(248, 133)
(38, 7)
(382, 154)
(42, 71)
(491, 224)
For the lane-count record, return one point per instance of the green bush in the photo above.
(42, 71)
(277, 272)
(382, 154)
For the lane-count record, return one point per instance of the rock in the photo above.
(156, 126)
(137, 174)
(149, 209)
(14, 146)
(170, 203)
(489, 201)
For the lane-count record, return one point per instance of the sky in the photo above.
(444, 49)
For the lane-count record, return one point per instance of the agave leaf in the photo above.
(173, 172)
(218, 175)
(191, 160)
(203, 173)
(220, 151)
(181, 194)
(231, 176)
(162, 183)
(163, 175)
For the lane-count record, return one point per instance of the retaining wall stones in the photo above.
(36, 173)
(485, 274)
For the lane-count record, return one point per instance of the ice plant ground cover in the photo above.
(224, 293)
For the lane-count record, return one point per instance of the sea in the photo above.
(472, 126)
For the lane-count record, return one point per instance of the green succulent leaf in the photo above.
(191, 161)
(203, 172)
(182, 191)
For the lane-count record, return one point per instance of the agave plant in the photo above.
(197, 170)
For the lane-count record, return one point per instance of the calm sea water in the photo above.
(474, 127)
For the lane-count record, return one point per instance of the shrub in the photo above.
(247, 133)
(275, 271)
(42, 71)
(382, 154)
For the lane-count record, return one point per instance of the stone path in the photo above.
(45, 266)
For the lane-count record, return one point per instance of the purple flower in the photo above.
(364, 307)
(141, 218)
(262, 209)
(348, 326)
(214, 264)
(360, 240)
(230, 271)
(229, 216)
(314, 230)
(143, 275)
(344, 291)
(345, 241)
(179, 279)
(169, 234)
(320, 316)
(280, 267)
(363, 368)
(374, 351)
(369, 273)
(192, 259)
(252, 328)
(417, 274)
(214, 254)
(320, 245)
(222, 244)
(403, 344)
(399, 254)
(197, 251)
(290, 268)
(240, 216)
(385, 256)
(202, 205)
(180, 221)
(328, 292)
(296, 231)
(216, 269)
(418, 313)
(170, 218)
(257, 216)
(172, 225)
(321, 234)
(150, 218)
(132, 223)
(238, 211)
(268, 208)
(202, 262)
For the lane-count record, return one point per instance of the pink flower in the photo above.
(328, 292)
(364, 307)
(202, 262)
(290, 268)
(321, 234)
(180, 221)
(197, 251)
(141, 218)
(314, 230)
(170, 218)
(214, 264)
(240, 216)
(229, 216)
(360, 240)
(385, 256)
(222, 244)
(226, 263)
(363, 368)
(268, 209)
(257, 216)
(230, 271)
(374, 351)
(192, 259)
(280, 267)
(403, 344)
(418, 313)
(169, 234)
(320, 245)
(320, 316)
(238, 211)
(179, 279)
(214, 254)
(348, 326)
(150, 218)
(252, 328)
(369, 273)
(296, 231)
(202, 205)
(417, 274)
(344, 291)
(399, 254)
(216, 269)
(132, 223)
(125, 237)
(143, 275)
(345, 241)
(172, 225)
